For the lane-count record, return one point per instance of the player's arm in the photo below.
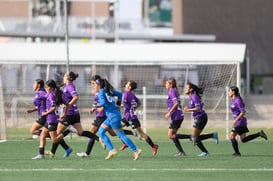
(119, 96)
(187, 109)
(52, 109)
(175, 105)
(238, 118)
(31, 110)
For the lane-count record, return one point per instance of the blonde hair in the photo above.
(172, 81)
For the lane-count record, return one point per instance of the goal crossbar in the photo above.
(122, 53)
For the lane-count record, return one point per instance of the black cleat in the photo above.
(236, 154)
(263, 135)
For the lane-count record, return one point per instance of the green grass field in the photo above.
(256, 162)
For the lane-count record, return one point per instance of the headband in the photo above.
(97, 81)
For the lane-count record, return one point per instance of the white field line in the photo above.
(137, 169)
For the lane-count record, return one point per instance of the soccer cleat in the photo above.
(179, 154)
(236, 154)
(38, 157)
(35, 137)
(136, 154)
(67, 152)
(123, 147)
(83, 155)
(263, 135)
(203, 154)
(154, 149)
(215, 137)
(49, 154)
(102, 144)
(111, 154)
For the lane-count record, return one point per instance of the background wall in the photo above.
(247, 21)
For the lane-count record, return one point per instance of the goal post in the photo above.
(3, 132)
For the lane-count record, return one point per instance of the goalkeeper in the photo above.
(100, 118)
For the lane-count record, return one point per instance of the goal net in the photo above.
(146, 65)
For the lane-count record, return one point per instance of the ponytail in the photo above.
(58, 93)
(106, 86)
(58, 96)
(197, 90)
(73, 76)
(236, 91)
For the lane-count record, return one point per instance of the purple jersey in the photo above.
(237, 106)
(69, 91)
(40, 101)
(50, 102)
(130, 102)
(173, 98)
(196, 102)
(96, 101)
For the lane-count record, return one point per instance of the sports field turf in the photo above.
(256, 162)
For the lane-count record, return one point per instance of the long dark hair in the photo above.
(195, 89)
(95, 77)
(73, 76)
(41, 83)
(133, 84)
(106, 86)
(236, 91)
(58, 93)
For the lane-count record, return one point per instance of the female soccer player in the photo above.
(199, 116)
(131, 103)
(71, 115)
(53, 100)
(239, 125)
(176, 114)
(40, 106)
(107, 103)
(100, 117)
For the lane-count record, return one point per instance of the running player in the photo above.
(71, 115)
(200, 118)
(40, 106)
(131, 103)
(107, 103)
(176, 114)
(100, 117)
(239, 124)
(53, 100)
